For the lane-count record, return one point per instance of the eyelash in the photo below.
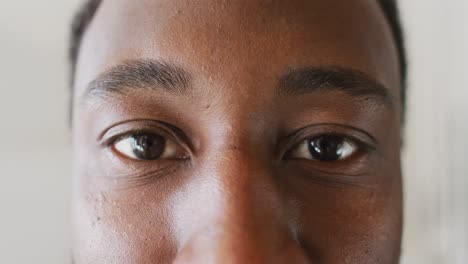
(157, 128)
(359, 143)
(116, 138)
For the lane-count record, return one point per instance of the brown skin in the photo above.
(233, 191)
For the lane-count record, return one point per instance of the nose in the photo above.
(241, 216)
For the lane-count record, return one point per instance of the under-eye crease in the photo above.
(128, 170)
(350, 169)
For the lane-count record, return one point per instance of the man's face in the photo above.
(241, 131)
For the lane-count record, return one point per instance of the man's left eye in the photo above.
(327, 148)
(146, 147)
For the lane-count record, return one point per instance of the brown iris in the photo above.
(326, 148)
(148, 146)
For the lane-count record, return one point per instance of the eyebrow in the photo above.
(142, 74)
(159, 75)
(331, 78)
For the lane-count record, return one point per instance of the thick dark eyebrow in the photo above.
(323, 79)
(153, 74)
(140, 74)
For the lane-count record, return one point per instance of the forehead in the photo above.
(255, 39)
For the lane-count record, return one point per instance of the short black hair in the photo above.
(390, 8)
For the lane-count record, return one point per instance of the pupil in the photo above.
(148, 147)
(326, 148)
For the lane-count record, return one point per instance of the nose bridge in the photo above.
(246, 177)
(248, 189)
(250, 225)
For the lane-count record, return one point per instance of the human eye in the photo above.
(326, 148)
(330, 145)
(146, 146)
(146, 141)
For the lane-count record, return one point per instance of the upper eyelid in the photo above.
(121, 136)
(359, 142)
(109, 136)
(334, 129)
(344, 127)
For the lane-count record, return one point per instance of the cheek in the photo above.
(359, 225)
(121, 227)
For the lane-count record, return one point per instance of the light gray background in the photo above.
(35, 153)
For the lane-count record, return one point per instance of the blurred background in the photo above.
(35, 156)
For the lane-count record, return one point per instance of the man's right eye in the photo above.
(146, 147)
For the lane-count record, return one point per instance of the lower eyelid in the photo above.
(356, 165)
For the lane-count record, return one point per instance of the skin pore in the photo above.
(242, 131)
